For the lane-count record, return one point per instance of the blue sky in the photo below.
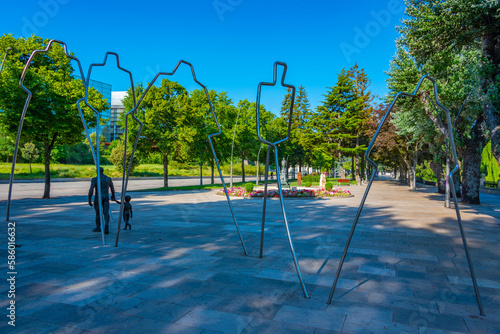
(232, 44)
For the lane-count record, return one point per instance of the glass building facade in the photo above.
(117, 108)
(105, 89)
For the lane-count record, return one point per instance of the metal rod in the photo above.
(132, 113)
(351, 234)
(258, 174)
(274, 146)
(4, 57)
(98, 195)
(232, 145)
(25, 108)
(289, 236)
(264, 205)
(455, 201)
(450, 178)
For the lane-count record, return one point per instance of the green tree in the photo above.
(446, 39)
(246, 142)
(489, 165)
(166, 113)
(438, 29)
(6, 144)
(52, 117)
(362, 109)
(295, 146)
(30, 153)
(333, 126)
(116, 157)
(458, 79)
(204, 125)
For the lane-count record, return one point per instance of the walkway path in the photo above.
(181, 268)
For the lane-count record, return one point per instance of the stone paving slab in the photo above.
(181, 269)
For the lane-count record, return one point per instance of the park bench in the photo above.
(344, 182)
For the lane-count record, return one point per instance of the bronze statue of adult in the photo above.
(106, 184)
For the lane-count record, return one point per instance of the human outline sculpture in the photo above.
(26, 105)
(209, 140)
(276, 160)
(449, 177)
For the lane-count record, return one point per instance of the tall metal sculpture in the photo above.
(132, 112)
(449, 178)
(26, 104)
(96, 155)
(276, 163)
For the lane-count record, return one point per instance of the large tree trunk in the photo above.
(353, 169)
(47, 151)
(201, 173)
(363, 167)
(402, 175)
(165, 169)
(437, 169)
(358, 175)
(242, 169)
(471, 176)
(212, 166)
(411, 174)
(472, 163)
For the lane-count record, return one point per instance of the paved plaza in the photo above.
(181, 269)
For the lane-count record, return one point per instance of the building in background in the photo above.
(117, 108)
(105, 90)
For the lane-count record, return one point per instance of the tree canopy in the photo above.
(52, 116)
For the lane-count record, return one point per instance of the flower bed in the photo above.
(241, 192)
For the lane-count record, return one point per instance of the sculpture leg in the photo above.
(105, 208)
(264, 205)
(290, 242)
(351, 233)
(227, 197)
(466, 248)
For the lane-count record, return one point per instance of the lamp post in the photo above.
(232, 146)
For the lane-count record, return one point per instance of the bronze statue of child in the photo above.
(127, 212)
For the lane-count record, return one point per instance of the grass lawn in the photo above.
(22, 171)
(206, 186)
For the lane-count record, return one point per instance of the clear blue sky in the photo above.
(231, 43)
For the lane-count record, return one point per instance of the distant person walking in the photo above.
(106, 184)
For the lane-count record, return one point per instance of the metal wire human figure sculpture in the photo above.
(96, 153)
(274, 145)
(449, 178)
(132, 112)
(26, 105)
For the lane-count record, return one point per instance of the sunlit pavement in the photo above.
(181, 269)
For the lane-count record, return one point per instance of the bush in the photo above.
(249, 187)
(308, 184)
(116, 158)
(328, 186)
(311, 178)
